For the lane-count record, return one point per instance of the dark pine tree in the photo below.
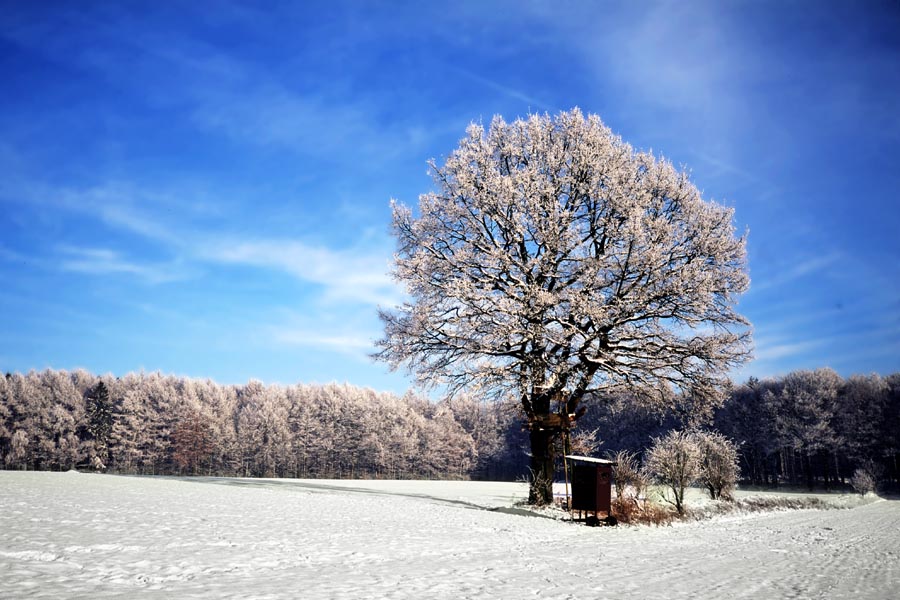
(99, 423)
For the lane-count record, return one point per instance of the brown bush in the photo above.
(630, 512)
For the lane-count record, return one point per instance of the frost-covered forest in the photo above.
(806, 428)
(150, 423)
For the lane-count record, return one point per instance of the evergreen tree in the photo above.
(99, 423)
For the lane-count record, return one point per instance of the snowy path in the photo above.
(97, 536)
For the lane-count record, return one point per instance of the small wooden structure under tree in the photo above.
(591, 487)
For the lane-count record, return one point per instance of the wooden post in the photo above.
(566, 451)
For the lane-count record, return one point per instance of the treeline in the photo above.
(148, 423)
(814, 428)
(809, 428)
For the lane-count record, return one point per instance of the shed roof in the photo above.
(590, 459)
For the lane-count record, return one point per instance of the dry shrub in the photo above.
(755, 504)
(644, 512)
(761, 503)
(863, 482)
(629, 512)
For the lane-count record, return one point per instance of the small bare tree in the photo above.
(862, 481)
(675, 463)
(719, 468)
(865, 479)
(630, 479)
(626, 473)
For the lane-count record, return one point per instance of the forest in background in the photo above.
(807, 428)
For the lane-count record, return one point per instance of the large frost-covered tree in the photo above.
(553, 261)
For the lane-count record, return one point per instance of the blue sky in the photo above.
(203, 188)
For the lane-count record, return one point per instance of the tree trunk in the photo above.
(807, 466)
(782, 464)
(896, 471)
(838, 476)
(542, 467)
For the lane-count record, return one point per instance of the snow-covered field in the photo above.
(73, 535)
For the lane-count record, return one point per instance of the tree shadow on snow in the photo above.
(326, 488)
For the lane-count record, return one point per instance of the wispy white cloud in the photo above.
(227, 92)
(889, 348)
(330, 329)
(119, 205)
(677, 70)
(767, 352)
(136, 221)
(531, 101)
(729, 168)
(354, 345)
(273, 115)
(325, 125)
(797, 270)
(251, 104)
(681, 56)
(783, 347)
(102, 261)
(358, 275)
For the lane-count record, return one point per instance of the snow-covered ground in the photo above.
(72, 535)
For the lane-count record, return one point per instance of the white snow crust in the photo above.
(74, 535)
